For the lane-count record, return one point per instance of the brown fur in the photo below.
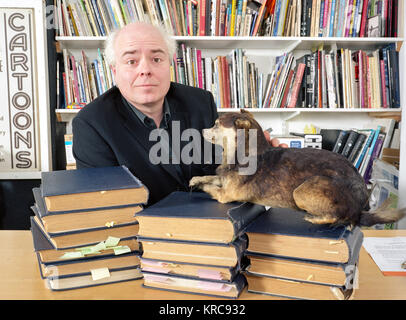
(323, 183)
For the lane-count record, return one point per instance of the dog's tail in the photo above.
(386, 213)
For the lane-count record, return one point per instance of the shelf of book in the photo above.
(226, 42)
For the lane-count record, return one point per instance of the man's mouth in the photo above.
(146, 85)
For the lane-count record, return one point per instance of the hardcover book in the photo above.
(47, 253)
(340, 142)
(196, 286)
(88, 280)
(336, 274)
(90, 188)
(195, 216)
(296, 289)
(80, 220)
(192, 270)
(357, 147)
(284, 232)
(84, 238)
(81, 267)
(349, 144)
(215, 254)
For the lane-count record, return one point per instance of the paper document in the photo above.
(388, 253)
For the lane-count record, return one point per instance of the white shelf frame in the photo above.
(278, 43)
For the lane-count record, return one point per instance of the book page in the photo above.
(388, 253)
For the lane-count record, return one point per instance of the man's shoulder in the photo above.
(103, 104)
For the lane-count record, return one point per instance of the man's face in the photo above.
(142, 69)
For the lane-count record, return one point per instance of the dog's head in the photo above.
(233, 130)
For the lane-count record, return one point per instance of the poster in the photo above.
(19, 136)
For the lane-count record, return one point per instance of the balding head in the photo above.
(140, 28)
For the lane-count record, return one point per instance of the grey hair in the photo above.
(111, 38)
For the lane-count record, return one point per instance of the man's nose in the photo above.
(145, 67)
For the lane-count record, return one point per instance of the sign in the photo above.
(23, 79)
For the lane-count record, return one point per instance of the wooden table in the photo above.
(20, 278)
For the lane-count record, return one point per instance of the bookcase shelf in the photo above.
(274, 43)
(67, 115)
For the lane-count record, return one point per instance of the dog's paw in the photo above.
(195, 182)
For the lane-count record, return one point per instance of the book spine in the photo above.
(286, 90)
(374, 155)
(357, 147)
(339, 144)
(199, 68)
(349, 144)
(383, 85)
(348, 18)
(296, 85)
(364, 150)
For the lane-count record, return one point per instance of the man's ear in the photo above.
(242, 123)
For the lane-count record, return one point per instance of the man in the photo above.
(115, 128)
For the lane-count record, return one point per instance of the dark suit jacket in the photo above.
(108, 133)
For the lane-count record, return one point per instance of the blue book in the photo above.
(277, 16)
(284, 232)
(111, 14)
(384, 55)
(91, 188)
(254, 19)
(84, 238)
(341, 18)
(364, 151)
(332, 16)
(370, 151)
(100, 89)
(195, 216)
(393, 63)
(72, 221)
(356, 17)
(321, 21)
(98, 18)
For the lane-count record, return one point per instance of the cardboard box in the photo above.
(291, 141)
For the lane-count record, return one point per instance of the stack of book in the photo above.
(192, 243)
(84, 230)
(293, 258)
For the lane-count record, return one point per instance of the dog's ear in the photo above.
(247, 113)
(242, 123)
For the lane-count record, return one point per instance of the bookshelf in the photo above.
(260, 49)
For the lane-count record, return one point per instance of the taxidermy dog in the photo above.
(322, 183)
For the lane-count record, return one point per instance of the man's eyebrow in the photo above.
(158, 51)
(128, 52)
(135, 51)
